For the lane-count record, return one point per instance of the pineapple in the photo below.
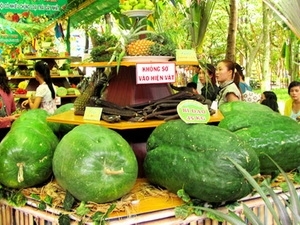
(139, 47)
(82, 100)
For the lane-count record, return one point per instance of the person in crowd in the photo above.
(7, 104)
(269, 99)
(207, 77)
(242, 84)
(228, 82)
(192, 86)
(195, 77)
(292, 106)
(45, 92)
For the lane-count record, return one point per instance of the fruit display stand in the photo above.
(139, 208)
(70, 118)
(58, 80)
(33, 84)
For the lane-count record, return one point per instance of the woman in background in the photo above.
(242, 84)
(7, 104)
(45, 92)
(292, 106)
(228, 82)
(269, 99)
(207, 76)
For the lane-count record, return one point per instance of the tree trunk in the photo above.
(232, 30)
(266, 53)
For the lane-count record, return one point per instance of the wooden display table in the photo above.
(147, 211)
(69, 118)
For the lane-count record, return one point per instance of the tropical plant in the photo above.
(288, 11)
(199, 14)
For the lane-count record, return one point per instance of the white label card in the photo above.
(92, 113)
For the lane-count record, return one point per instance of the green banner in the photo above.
(10, 36)
(29, 11)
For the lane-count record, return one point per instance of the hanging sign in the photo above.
(186, 55)
(26, 11)
(191, 111)
(9, 36)
(154, 73)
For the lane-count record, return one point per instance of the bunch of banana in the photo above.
(126, 5)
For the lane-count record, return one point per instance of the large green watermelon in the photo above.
(26, 151)
(95, 164)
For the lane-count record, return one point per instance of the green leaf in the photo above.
(231, 207)
(213, 216)
(182, 211)
(97, 218)
(183, 195)
(68, 201)
(251, 217)
(281, 208)
(284, 186)
(109, 210)
(35, 196)
(82, 210)
(48, 200)
(261, 192)
(64, 219)
(297, 178)
(17, 199)
(42, 206)
(231, 217)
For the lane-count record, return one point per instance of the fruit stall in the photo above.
(128, 148)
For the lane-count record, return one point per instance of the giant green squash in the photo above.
(195, 157)
(26, 152)
(267, 132)
(95, 164)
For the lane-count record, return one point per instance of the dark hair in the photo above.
(4, 81)
(231, 66)
(192, 85)
(211, 72)
(293, 84)
(270, 100)
(239, 70)
(43, 69)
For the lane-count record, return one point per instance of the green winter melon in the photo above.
(61, 91)
(26, 154)
(195, 157)
(95, 164)
(267, 133)
(242, 106)
(61, 128)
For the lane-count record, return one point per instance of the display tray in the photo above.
(137, 13)
(143, 198)
(147, 58)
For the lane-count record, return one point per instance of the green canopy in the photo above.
(94, 10)
(30, 18)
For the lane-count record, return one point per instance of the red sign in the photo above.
(154, 73)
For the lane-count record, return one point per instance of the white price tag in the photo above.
(58, 101)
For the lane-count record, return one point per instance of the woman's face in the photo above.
(295, 93)
(262, 97)
(222, 73)
(203, 78)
